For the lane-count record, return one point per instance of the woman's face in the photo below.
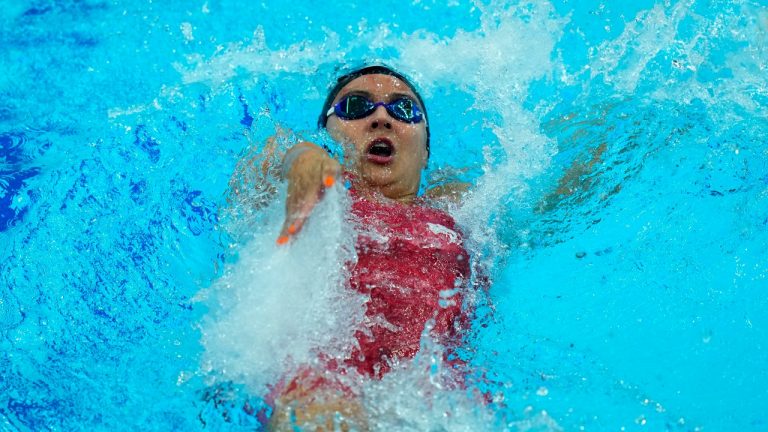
(386, 154)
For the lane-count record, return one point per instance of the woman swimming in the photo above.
(411, 260)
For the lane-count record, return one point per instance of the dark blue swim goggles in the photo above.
(355, 107)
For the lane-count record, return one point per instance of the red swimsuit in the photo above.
(412, 263)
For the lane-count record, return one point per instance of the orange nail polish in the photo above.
(328, 181)
(292, 229)
(282, 240)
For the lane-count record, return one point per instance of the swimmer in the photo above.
(366, 127)
(380, 120)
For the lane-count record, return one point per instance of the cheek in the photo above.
(335, 130)
(419, 139)
(344, 133)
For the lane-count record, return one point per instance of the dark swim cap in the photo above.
(369, 70)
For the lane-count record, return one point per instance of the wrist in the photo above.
(290, 158)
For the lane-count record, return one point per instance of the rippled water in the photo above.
(621, 173)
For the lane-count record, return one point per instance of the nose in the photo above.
(380, 117)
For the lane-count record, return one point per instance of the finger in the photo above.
(331, 172)
(294, 222)
(289, 228)
(303, 195)
(299, 205)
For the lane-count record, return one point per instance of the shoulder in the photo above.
(449, 192)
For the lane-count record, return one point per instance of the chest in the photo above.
(411, 245)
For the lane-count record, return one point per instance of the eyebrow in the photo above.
(355, 92)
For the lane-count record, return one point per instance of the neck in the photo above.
(383, 193)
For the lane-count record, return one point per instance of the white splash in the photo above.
(277, 307)
(423, 394)
(626, 62)
(497, 64)
(622, 60)
(256, 58)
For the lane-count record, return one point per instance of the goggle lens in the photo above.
(355, 107)
(402, 109)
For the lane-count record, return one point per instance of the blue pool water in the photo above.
(620, 165)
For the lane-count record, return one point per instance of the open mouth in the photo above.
(380, 151)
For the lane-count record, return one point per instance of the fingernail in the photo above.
(282, 240)
(292, 229)
(328, 181)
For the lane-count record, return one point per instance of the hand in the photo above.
(309, 171)
(317, 402)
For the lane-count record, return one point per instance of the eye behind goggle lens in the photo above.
(355, 107)
(403, 109)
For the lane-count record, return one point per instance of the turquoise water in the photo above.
(635, 301)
